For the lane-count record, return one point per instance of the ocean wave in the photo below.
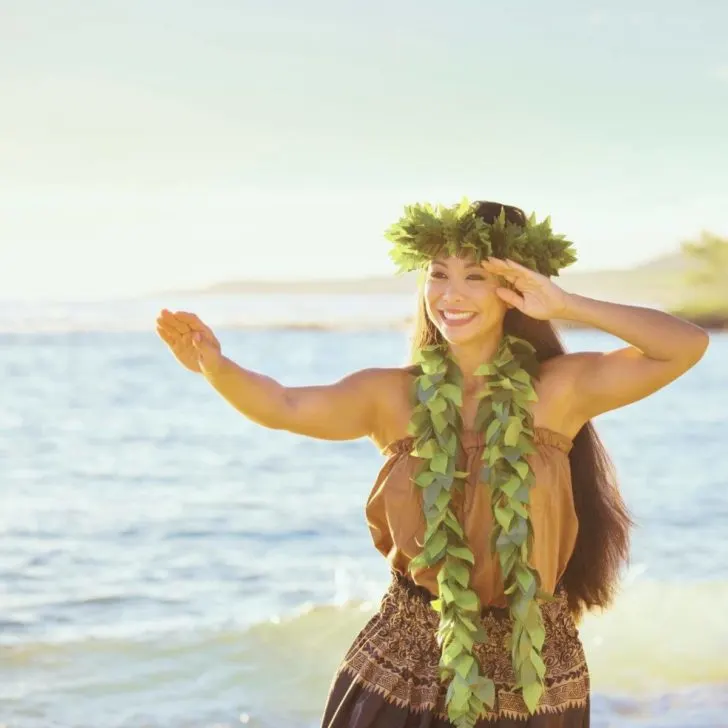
(656, 636)
(657, 658)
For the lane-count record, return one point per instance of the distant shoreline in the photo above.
(658, 284)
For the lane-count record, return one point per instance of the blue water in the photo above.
(165, 562)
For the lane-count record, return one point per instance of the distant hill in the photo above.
(658, 282)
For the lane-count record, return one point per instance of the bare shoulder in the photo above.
(565, 367)
(556, 391)
(394, 388)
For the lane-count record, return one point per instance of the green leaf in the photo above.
(524, 646)
(468, 623)
(427, 450)
(442, 500)
(538, 664)
(522, 376)
(438, 463)
(452, 445)
(468, 600)
(504, 516)
(485, 370)
(460, 572)
(453, 393)
(425, 478)
(440, 422)
(461, 552)
(431, 492)
(446, 593)
(437, 543)
(454, 649)
(485, 690)
(492, 431)
(461, 695)
(463, 635)
(463, 665)
(522, 468)
(511, 486)
(512, 432)
(452, 523)
(436, 604)
(519, 508)
(531, 695)
(494, 454)
(525, 579)
(538, 636)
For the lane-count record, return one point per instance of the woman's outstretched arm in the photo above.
(346, 410)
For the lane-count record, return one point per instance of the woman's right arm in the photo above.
(354, 407)
(346, 410)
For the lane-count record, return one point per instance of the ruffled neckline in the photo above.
(473, 439)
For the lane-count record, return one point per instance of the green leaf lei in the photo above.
(504, 416)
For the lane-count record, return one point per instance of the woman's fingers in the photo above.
(510, 297)
(515, 274)
(170, 333)
(506, 267)
(195, 324)
(170, 320)
(171, 338)
(163, 333)
(191, 320)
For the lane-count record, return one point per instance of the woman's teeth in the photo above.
(457, 316)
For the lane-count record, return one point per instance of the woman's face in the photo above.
(460, 299)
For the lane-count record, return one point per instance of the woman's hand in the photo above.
(535, 294)
(193, 344)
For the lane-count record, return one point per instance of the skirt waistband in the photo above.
(425, 595)
(403, 582)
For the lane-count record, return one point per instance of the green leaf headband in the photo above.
(426, 232)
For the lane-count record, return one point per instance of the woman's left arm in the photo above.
(662, 347)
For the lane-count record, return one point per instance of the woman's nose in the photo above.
(452, 293)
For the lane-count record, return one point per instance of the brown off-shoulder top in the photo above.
(397, 523)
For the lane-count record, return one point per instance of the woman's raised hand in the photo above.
(192, 342)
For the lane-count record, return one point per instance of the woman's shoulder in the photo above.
(557, 393)
(561, 371)
(395, 401)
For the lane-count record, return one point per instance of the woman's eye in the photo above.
(437, 274)
(476, 277)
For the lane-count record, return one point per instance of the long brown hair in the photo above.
(602, 542)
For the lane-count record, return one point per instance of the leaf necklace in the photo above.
(504, 416)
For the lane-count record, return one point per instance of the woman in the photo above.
(487, 438)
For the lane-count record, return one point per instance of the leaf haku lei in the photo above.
(426, 231)
(504, 417)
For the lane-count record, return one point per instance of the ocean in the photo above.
(166, 563)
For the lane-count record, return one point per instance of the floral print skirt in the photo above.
(389, 676)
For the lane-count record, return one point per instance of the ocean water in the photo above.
(165, 562)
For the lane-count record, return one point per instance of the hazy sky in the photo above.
(149, 145)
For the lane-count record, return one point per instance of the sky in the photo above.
(147, 146)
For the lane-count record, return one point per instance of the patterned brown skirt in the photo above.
(389, 676)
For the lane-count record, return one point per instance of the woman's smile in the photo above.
(455, 317)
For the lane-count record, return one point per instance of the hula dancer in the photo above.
(496, 507)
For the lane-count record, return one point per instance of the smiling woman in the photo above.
(458, 292)
(496, 507)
